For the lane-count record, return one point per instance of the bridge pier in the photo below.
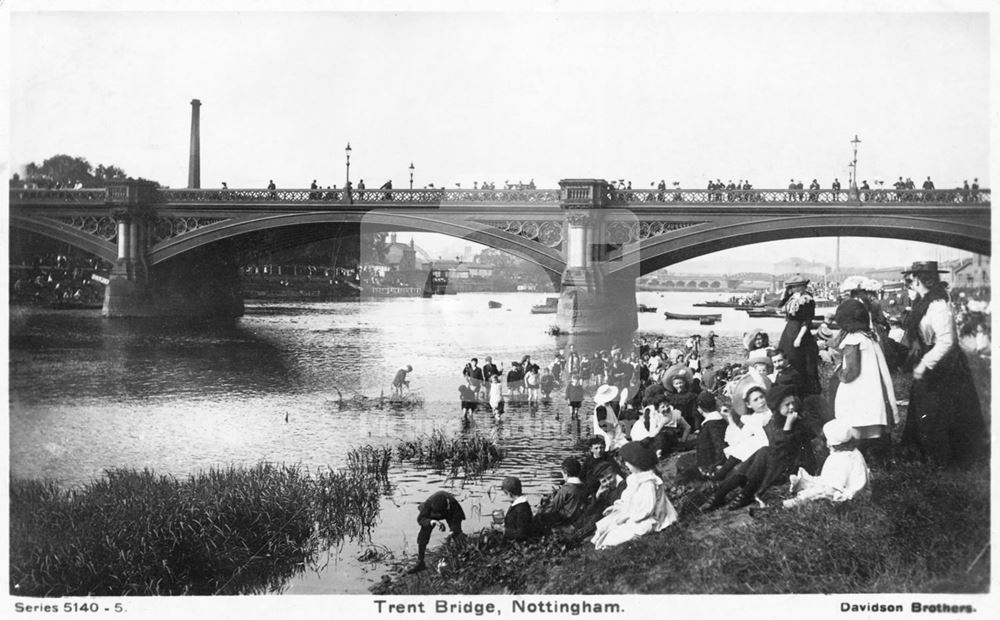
(200, 284)
(591, 301)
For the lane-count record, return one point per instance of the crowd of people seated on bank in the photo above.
(764, 431)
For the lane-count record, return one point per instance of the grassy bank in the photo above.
(922, 530)
(225, 531)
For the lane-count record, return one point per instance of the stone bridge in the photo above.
(178, 251)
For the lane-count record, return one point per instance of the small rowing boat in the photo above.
(692, 317)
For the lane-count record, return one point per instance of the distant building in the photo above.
(971, 272)
(401, 256)
(801, 266)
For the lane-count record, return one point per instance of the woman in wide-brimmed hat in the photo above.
(756, 339)
(944, 418)
(605, 420)
(797, 342)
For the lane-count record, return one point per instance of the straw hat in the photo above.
(677, 370)
(760, 356)
(796, 280)
(605, 394)
(751, 335)
(823, 332)
(853, 283)
(737, 390)
(860, 283)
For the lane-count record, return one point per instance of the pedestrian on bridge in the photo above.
(814, 191)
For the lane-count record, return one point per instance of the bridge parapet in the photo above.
(90, 196)
(786, 196)
(585, 194)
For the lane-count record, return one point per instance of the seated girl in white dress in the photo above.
(643, 507)
(844, 474)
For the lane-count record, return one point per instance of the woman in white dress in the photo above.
(865, 398)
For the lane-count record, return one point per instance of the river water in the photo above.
(88, 394)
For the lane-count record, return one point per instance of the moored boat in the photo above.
(437, 283)
(720, 304)
(692, 317)
(494, 304)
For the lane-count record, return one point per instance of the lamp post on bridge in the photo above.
(854, 168)
(411, 175)
(348, 152)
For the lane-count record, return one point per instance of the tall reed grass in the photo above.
(470, 455)
(224, 531)
(232, 530)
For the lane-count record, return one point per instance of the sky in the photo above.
(537, 92)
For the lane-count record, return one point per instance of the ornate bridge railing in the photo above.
(431, 197)
(787, 196)
(363, 196)
(83, 196)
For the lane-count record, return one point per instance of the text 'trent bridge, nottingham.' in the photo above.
(179, 251)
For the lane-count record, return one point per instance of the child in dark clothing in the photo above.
(574, 394)
(595, 458)
(547, 383)
(712, 438)
(468, 398)
(681, 398)
(439, 509)
(568, 501)
(517, 521)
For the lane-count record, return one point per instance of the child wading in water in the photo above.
(468, 398)
(531, 384)
(574, 394)
(643, 507)
(437, 510)
(496, 396)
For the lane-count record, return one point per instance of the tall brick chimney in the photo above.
(194, 160)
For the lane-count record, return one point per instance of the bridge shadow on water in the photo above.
(142, 358)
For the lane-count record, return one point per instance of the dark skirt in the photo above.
(803, 358)
(944, 420)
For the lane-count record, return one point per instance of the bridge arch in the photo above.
(676, 246)
(548, 259)
(54, 229)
